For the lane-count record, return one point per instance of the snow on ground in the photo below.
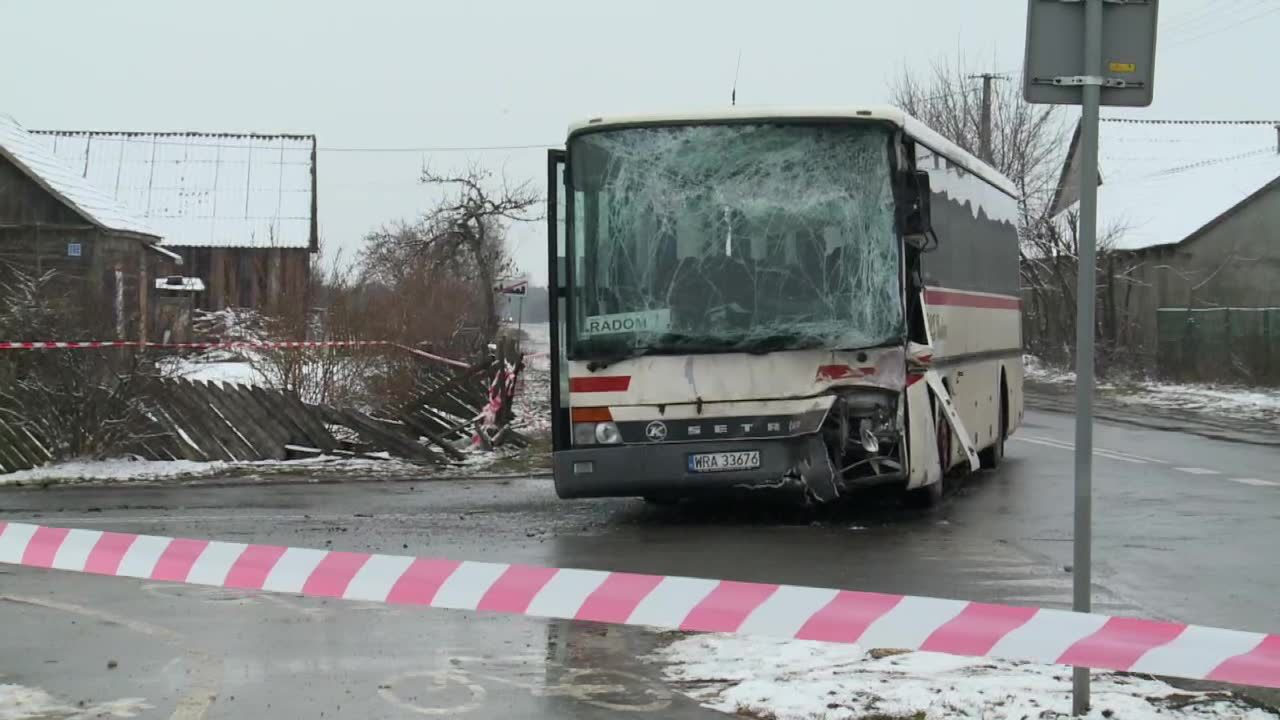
(1036, 369)
(228, 371)
(1259, 404)
(18, 702)
(137, 470)
(533, 401)
(533, 395)
(793, 679)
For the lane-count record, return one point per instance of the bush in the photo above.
(77, 403)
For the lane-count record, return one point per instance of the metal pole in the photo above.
(1085, 299)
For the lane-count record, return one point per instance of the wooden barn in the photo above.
(53, 219)
(238, 208)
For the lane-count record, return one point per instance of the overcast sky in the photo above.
(420, 73)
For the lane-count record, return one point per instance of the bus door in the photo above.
(557, 278)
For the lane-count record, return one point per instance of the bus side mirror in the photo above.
(919, 222)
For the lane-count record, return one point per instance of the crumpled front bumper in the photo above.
(663, 468)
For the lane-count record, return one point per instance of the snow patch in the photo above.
(137, 470)
(1255, 404)
(212, 370)
(786, 679)
(1033, 368)
(18, 702)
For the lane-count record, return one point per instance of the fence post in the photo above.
(1270, 374)
(1226, 344)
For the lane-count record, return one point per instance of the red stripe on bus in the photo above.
(600, 383)
(966, 299)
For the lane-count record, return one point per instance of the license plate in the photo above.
(724, 461)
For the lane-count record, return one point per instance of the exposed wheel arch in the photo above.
(992, 455)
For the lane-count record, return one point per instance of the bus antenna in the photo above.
(733, 95)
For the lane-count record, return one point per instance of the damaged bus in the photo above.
(807, 299)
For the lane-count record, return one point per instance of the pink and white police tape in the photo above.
(264, 345)
(268, 345)
(61, 345)
(232, 345)
(695, 604)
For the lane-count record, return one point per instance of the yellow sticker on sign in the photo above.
(1120, 67)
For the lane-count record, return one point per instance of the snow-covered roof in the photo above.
(886, 113)
(203, 189)
(29, 153)
(1163, 181)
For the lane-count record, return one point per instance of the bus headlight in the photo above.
(584, 434)
(607, 434)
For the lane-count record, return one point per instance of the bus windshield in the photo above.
(733, 238)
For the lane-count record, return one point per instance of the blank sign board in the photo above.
(1055, 49)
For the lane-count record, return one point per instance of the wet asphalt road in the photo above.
(1186, 529)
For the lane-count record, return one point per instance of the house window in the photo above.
(73, 249)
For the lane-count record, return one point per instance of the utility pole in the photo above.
(984, 126)
(1065, 66)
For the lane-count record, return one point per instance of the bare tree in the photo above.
(73, 403)
(1027, 141)
(465, 233)
(1028, 145)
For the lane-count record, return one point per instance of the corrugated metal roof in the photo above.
(1164, 180)
(30, 153)
(203, 189)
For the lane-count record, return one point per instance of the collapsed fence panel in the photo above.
(221, 419)
(11, 455)
(446, 409)
(190, 422)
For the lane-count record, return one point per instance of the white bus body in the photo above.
(800, 298)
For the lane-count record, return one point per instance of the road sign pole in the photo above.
(1085, 301)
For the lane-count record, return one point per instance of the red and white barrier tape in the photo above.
(247, 345)
(55, 345)
(431, 356)
(843, 616)
(232, 345)
(240, 345)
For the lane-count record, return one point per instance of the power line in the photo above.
(1251, 18)
(435, 149)
(1205, 13)
(1146, 121)
(298, 143)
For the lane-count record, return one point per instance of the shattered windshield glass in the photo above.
(723, 238)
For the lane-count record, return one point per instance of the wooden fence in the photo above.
(19, 449)
(211, 421)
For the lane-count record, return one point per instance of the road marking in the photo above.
(1117, 454)
(204, 677)
(1044, 441)
(1109, 454)
(1197, 471)
(1256, 482)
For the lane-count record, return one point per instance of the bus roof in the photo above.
(922, 133)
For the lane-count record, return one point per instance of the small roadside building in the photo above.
(240, 209)
(53, 219)
(1191, 211)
